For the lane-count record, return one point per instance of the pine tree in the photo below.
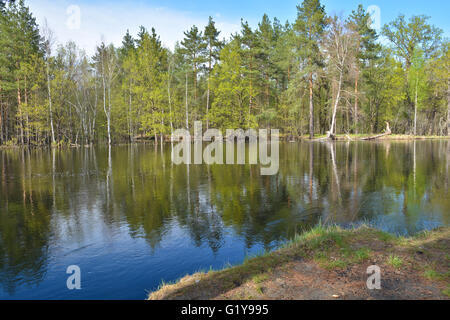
(230, 108)
(366, 51)
(266, 36)
(193, 47)
(128, 45)
(20, 45)
(213, 47)
(250, 47)
(151, 61)
(310, 26)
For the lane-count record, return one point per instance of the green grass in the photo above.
(259, 289)
(329, 263)
(329, 246)
(320, 236)
(446, 291)
(336, 264)
(259, 278)
(395, 261)
(432, 274)
(362, 254)
(332, 247)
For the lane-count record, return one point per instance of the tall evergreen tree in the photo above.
(213, 47)
(193, 47)
(310, 27)
(366, 50)
(250, 50)
(231, 107)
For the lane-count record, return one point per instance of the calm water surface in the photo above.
(130, 219)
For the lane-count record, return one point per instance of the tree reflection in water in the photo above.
(49, 196)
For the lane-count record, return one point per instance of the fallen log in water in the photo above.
(386, 133)
(331, 136)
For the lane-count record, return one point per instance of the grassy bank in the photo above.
(356, 137)
(330, 263)
(283, 137)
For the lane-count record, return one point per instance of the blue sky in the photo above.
(110, 19)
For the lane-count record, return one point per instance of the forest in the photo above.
(316, 75)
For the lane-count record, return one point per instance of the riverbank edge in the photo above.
(392, 137)
(423, 260)
(287, 138)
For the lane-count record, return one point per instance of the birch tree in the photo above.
(106, 62)
(339, 47)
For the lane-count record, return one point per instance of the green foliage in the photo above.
(231, 87)
(310, 27)
(406, 37)
(270, 76)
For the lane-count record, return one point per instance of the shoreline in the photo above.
(283, 138)
(392, 137)
(329, 263)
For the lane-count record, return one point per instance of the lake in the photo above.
(131, 219)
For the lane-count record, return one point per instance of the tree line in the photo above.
(319, 74)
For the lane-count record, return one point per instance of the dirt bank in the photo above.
(331, 263)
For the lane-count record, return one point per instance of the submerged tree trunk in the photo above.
(162, 129)
(355, 115)
(107, 111)
(311, 170)
(6, 117)
(1, 119)
(187, 113)
(130, 120)
(19, 104)
(311, 107)
(50, 111)
(170, 101)
(109, 116)
(195, 81)
(336, 103)
(209, 87)
(415, 109)
(448, 107)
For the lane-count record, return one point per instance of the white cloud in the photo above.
(112, 20)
